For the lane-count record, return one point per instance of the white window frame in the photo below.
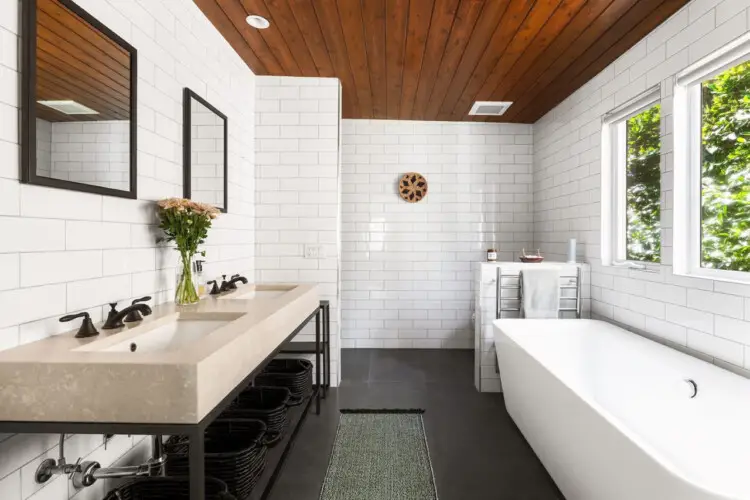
(614, 168)
(686, 253)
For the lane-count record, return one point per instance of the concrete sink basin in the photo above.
(173, 335)
(258, 292)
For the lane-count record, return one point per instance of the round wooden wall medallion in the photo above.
(412, 187)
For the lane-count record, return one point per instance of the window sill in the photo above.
(736, 277)
(636, 266)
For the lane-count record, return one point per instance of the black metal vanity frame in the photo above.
(195, 432)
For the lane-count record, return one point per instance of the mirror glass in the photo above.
(205, 152)
(83, 93)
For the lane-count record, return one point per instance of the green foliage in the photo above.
(726, 171)
(643, 192)
(186, 223)
(187, 228)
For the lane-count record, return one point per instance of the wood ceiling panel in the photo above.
(466, 19)
(443, 16)
(395, 47)
(307, 21)
(418, 27)
(528, 70)
(532, 39)
(273, 38)
(484, 31)
(432, 59)
(59, 16)
(328, 15)
(644, 23)
(281, 15)
(350, 14)
(373, 16)
(227, 17)
(518, 17)
(585, 41)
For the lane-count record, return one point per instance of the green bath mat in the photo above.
(380, 455)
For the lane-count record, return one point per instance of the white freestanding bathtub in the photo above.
(611, 414)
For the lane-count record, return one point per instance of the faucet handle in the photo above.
(136, 315)
(87, 328)
(142, 299)
(214, 289)
(112, 311)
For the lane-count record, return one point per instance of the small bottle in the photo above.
(200, 279)
(572, 252)
(491, 255)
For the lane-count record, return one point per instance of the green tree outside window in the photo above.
(643, 191)
(725, 172)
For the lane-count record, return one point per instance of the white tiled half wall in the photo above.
(297, 183)
(63, 252)
(486, 373)
(407, 267)
(706, 317)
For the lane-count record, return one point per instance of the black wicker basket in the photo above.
(294, 374)
(268, 404)
(235, 453)
(167, 488)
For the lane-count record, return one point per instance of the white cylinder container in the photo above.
(572, 251)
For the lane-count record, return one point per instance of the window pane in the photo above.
(725, 173)
(643, 191)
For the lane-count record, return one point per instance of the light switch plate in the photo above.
(314, 252)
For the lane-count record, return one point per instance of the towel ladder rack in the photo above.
(502, 303)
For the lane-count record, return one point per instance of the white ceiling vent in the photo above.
(489, 108)
(69, 107)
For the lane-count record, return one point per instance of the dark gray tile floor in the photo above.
(477, 452)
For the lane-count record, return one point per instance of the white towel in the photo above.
(541, 293)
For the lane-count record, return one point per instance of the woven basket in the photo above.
(294, 374)
(268, 404)
(167, 488)
(235, 452)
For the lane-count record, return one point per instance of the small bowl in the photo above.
(531, 259)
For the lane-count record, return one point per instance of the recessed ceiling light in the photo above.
(69, 107)
(257, 21)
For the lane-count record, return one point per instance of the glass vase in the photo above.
(185, 293)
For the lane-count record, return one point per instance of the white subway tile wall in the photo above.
(94, 153)
(298, 210)
(407, 268)
(705, 317)
(63, 251)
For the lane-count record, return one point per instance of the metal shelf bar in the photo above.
(574, 283)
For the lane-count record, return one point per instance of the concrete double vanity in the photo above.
(173, 371)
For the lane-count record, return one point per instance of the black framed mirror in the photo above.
(204, 151)
(79, 116)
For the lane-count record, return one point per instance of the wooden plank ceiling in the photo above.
(77, 62)
(432, 59)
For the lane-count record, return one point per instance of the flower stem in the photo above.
(186, 292)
